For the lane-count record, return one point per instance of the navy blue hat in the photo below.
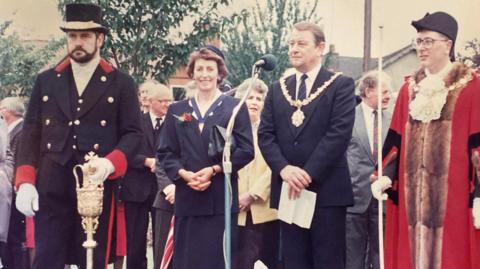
(216, 51)
(83, 17)
(440, 22)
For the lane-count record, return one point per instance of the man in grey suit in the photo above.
(12, 110)
(362, 218)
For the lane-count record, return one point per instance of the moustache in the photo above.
(78, 49)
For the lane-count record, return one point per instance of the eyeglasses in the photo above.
(427, 42)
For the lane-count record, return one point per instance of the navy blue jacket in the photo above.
(182, 145)
(318, 145)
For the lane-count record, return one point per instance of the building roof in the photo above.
(352, 66)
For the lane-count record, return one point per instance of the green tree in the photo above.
(260, 30)
(148, 37)
(20, 62)
(472, 53)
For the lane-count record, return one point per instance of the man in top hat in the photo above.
(82, 105)
(435, 129)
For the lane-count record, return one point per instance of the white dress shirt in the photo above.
(14, 124)
(82, 73)
(312, 75)
(153, 119)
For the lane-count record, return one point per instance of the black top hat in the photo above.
(440, 22)
(82, 17)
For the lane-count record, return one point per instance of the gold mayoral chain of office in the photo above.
(298, 116)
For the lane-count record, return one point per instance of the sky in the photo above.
(342, 20)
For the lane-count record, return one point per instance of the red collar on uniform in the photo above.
(106, 66)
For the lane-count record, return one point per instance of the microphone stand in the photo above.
(227, 170)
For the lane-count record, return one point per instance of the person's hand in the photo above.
(297, 179)
(186, 175)
(169, 192)
(192, 181)
(204, 174)
(476, 162)
(379, 186)
(244, 201)
(27, 199)
(476, 213)
(99, 169)
(150, 163)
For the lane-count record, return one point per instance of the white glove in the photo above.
(379, 186)
(476, 213)
(27, 199)
(101, 168)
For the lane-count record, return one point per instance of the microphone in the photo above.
(267, 62)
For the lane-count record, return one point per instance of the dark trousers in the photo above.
(162, 226)
(16, 256)
(136, 221)
(362, 238)
(257, 242)
(58, 231)
(320, 247)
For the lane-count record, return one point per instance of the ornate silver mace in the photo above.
(89, 203)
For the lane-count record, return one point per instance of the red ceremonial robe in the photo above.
(429, 217)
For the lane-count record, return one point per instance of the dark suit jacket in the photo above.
(318, 145)
(361, 162)
(139, 182)
(14, 136)
(162, 182)
(182, 145)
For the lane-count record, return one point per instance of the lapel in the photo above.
(147, 123)
(192, 128)
(16, 130)
(61, 86)
(361, 130)
(322, 76)
(96, 87)
(215, 117)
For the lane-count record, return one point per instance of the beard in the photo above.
(85, 58)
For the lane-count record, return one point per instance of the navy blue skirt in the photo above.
(198, 242)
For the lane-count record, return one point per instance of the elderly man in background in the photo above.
(139, 186)
(6, 189)
(362, 155)
(12, 110)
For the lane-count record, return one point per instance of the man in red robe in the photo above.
(435, 129)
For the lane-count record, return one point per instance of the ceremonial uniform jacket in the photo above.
(59, 124)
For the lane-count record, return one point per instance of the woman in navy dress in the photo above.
(199, 179)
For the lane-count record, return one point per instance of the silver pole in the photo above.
(380, 146)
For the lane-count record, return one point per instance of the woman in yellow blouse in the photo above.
(258, 225)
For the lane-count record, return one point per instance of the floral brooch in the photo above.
(184, 118)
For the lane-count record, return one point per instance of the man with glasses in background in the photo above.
(435, 129)
(139, 186)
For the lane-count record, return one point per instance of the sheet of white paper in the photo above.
(304, 209)
(286, 208)
(298, 211)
